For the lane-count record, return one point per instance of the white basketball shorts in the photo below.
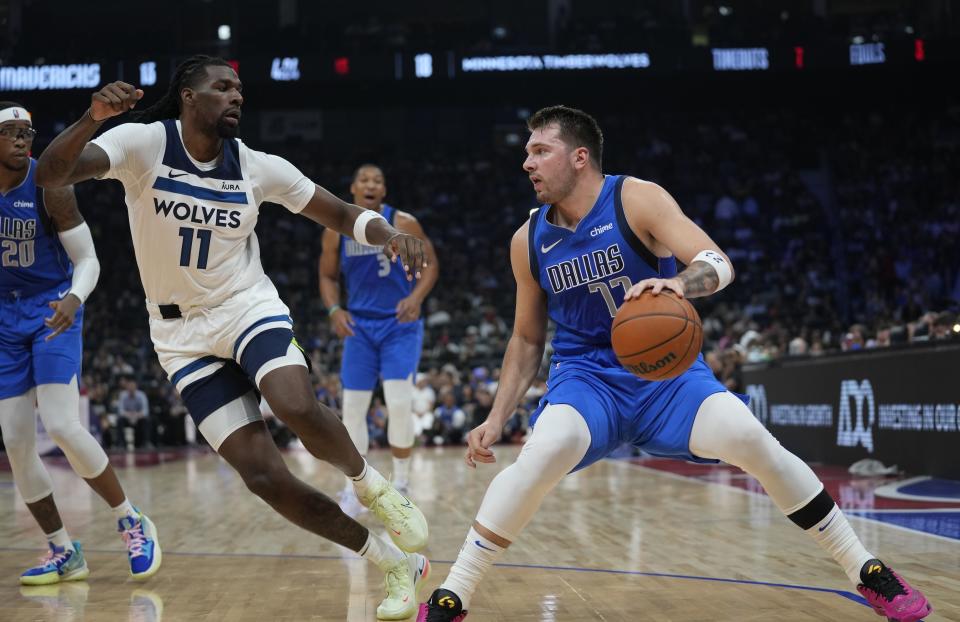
(217, 356)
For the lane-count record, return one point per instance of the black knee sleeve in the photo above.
(813, 512)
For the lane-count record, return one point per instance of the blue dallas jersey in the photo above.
(32, 260)
(586, 273)
(374, 283)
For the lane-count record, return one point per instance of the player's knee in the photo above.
(267, 483)
(399, 397)
(752, 436)
(62, 432)
(19, 441)
(552, 448)
(19, 453)
(399, 408)
(747, 446)
(570, 441)
(298, 410)
(560, 440)
(355, 405)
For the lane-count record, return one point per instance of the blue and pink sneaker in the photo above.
(143, 548)
(60, 564)
(890, 595)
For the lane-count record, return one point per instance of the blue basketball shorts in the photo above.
(27, 359)
(380, 348)
(620, 408)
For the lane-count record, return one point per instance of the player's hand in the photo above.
(479, 441)
(113, 99)
(342, 322)
(409, 251)
(64, 311)
(408, 309)
(655, 286)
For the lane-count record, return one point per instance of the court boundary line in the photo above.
(907, 511)
(636, 573)
(851, 513)
(892, 491)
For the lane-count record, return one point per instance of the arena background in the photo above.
(816, 141)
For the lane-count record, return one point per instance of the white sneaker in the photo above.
(402, 582)
(404, 521)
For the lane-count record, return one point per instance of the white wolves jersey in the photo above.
(193, 222)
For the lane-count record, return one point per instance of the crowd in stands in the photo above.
(843, 237)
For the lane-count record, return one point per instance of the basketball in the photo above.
(657, 337)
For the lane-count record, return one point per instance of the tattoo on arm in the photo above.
(699, 279)
(61, 205)
(70, 158)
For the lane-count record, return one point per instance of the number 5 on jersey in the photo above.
(204, 236)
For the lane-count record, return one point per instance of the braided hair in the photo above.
(187, 74)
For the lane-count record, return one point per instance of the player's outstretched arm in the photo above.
(522, 358)
(657, 220)
(69, 158)
(335, 213)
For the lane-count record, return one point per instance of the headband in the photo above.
(15, 113)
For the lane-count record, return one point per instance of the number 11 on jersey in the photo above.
(204, 236)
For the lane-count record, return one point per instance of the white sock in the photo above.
(401, 469)
(383, 553)
(368, 478)
(363, 473)
(474, 560)
(60, 538)
(124, 510)
(835, 536)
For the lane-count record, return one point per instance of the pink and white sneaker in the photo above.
(890, 595)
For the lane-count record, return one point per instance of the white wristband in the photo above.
(360, 226)
(720, 266)
(86, 267)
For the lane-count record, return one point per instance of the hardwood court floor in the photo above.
(615, 542)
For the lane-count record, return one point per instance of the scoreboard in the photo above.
(437, 65)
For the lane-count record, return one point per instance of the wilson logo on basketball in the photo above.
(656, 337)
(643, 368)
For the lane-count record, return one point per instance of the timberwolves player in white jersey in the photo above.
(596, 240)
(219, 328)
(380, 325)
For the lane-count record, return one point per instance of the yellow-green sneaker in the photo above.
(404, 521)
(402, 582)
